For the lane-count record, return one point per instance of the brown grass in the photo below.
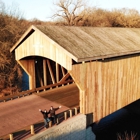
(127, 136)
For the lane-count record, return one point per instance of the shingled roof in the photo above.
(91, 43)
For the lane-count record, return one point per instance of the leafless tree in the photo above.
(69, 10)
(10, 28)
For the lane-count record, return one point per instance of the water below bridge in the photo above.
(125, 120)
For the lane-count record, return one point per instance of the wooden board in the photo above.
(106, 86)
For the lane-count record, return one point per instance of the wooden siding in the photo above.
(40, 45)
(29, 67)
(106, 86)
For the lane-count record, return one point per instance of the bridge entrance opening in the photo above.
(53, 82)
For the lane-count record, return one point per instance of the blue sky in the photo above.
(43, 9)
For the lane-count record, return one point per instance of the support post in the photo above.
(50, 124)
(70, 113)
(63, 72)
(57, 72)
(75, 110)
(45, 72)
(32, 130)
(57, 121)
(65, 115)
(51, 71)
(11, 136)
(29, 67)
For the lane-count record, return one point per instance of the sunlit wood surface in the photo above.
(22, 112)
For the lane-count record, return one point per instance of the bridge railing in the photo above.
(34, 91)
(60, 117)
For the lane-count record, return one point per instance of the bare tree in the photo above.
(69, 10)
(10, 32)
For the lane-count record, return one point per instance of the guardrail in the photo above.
(60, 118)
(34, 91)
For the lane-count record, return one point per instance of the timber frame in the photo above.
(47, 75)
(103, 62)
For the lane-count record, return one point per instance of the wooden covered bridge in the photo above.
(104, 63)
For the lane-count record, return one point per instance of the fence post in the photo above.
(70, 113)
(32, 129)
(11, 136)
(65, 115)
(50, 123)
(57, 120)
(75, 110)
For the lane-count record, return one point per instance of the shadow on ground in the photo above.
(124, 120)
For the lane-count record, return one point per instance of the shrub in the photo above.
(127, 136)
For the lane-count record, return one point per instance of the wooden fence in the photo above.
(60, 118)
(34, 91)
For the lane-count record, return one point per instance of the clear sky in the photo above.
(43, 9)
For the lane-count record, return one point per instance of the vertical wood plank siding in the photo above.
(38, 45)
(107, 86)
(29, 68)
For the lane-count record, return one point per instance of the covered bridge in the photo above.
(103, 62)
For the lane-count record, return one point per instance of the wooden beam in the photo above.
(57, 72)
(65, 115)
(70, 111)
(75, 110)
(11, 136)
(32, 129)
(81, 103)
(29, 68)
(52, 85)
(44, 72)
(39, 77)
(63, 71)
(51, 72)
(64, 77)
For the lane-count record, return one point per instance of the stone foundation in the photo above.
(72, 129)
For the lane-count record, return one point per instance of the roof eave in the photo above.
(107, 56)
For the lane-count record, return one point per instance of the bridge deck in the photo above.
(22, 112)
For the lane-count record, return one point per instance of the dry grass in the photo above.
(93, 43)
(127, 136)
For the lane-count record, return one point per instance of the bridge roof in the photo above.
(90, 43)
